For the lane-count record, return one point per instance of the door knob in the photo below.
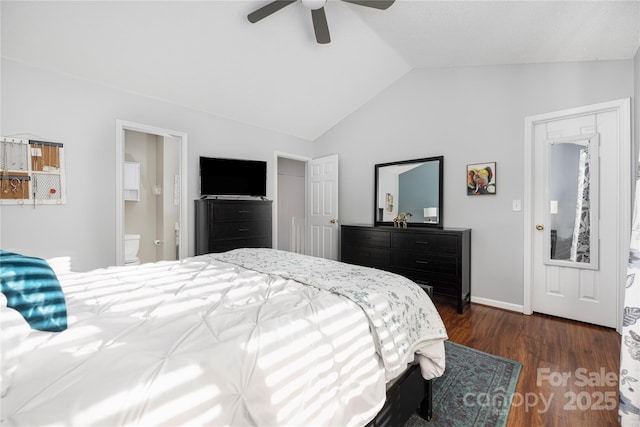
(539, 227)
(333, 221)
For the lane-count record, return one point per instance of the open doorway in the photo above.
(151, 194)
(291, 204)
(306, 208)
(152, 203)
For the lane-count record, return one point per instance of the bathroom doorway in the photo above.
(151, 210)
(151, 195)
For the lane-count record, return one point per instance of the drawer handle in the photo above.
(241, 211)
(422, 262)
(243, 229)
(420, 242)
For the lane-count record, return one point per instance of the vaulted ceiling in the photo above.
(205, 55)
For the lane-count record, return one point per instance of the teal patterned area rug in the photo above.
(476, 389)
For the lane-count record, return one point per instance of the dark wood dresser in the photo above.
(223, 224)
(437, 258)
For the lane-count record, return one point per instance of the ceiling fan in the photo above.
(317, 13)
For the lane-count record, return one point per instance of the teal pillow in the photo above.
(32, 288)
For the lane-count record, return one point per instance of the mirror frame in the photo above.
(593, 142)
(439, 223)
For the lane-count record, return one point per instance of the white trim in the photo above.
(528, 215)
(623, 109)
(121, 126)
(274, 226)
(497, 304)
(626, 204)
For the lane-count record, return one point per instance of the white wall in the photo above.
(82, 115)
(468, 115)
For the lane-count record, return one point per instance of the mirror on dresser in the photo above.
(413, 187)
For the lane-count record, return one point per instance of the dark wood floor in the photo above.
(570, 370)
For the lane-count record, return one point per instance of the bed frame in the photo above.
(408, 395)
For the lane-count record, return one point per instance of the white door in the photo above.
(323, 207)
(563, 284)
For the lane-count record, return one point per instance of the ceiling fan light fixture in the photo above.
(314, 4)
(318, 16)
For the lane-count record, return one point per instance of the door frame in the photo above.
(121, 127)
(623, 109)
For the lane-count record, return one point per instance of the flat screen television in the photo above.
(232, 177)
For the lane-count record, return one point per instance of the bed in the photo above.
(246, 337)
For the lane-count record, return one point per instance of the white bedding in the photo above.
(207, 342)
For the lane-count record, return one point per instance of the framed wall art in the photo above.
(481, 179)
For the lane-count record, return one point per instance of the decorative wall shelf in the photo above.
(31, 171)
(131, 181)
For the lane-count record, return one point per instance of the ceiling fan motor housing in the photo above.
(314, 4)
(318, 16)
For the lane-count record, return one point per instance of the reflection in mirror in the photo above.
(413, 187)
(572, 202)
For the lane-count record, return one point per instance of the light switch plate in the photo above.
(516, 206)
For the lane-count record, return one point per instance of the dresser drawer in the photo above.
(240, 229)
(441, 285)
(363, 237)
(425, 242)
(367, 256)
(240, 211)
(227, 245)
(428, 262)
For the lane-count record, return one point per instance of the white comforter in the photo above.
(208, 342)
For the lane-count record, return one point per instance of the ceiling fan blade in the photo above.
(267, 10)
(376, 4)
(320, 25)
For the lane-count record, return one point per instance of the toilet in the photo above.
(131, 246)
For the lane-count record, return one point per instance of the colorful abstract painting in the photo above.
(481, 179)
